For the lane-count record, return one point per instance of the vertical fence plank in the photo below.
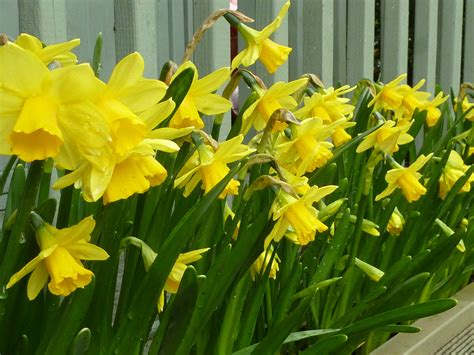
(394, 38)
(340, 42)
(177, 39)
(360, 40)
(43, 18)
(318, 39)
(468, 69)
(9, 18)
(449, 44)
(85, 19)
(163, 34)
(425, 46)
(295, 40)
(135, 31)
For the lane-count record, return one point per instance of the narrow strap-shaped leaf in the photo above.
(326, 345)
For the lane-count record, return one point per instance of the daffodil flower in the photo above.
(276, 97)
(387, 138)
(308, 148)
(261, 263)
(59, 52)
(298, 214)
(209, 167)
(176, 274)
(60, 258)
(259, 45)
(433, 113)
(396, 222)
(44, 112)
(407, 180)
(201, 98)
(388, 96)
(412, 100)
(452, 172)
(465, 107)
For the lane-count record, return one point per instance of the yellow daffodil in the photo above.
(200, 98)
(308, 148)
(210, 167)
(465, 107)
(174, 278)
(452, 172)
(412, 100)
(276, 97)
(259, 45)
(260, 265)
(44, 112)
(60, 258)
(387, 138)
(59, 52)
(388, 96)
(298, 214)
(433, 113)
(407, 180)
(395, 223)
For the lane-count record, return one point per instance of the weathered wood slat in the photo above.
(468, 69)
(43, 18)
(295, 36)
(318, 40)
(85, 19)
(449, 44)
(340, 42)
(360, 40)
(394, 38)
(9, 19)
(425, 46)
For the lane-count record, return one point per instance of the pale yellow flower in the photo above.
(261, 264)
(433, 113)
(452, 172)
(259, 45)
(388, 96)
(60, 258)
(407, 180)
(387, 138)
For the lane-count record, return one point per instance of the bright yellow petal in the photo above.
(76, 233)
(75, 83)
(126, 73)
(29, 42)
(153, 116)
(275, 24)
(191, 256)
(37, 280)
(211, 82)
(211, 104)
(170, 133)
(163, 145)
(143, 95)
(58, 50)
(87, 251)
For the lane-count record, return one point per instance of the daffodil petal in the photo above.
(49, 53)
(153, 116)
(211, 104)
(126, 73)
(211, 82)
(38, 278)
(87, 251)
(142, 95)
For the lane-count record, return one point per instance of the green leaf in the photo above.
(400, 328)
(96, 60)
(326, 345)
(313, 289)
(81, 342)
(177, 91)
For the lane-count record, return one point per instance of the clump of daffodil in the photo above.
(296, 215)
(44, 112)
(396, 222)
(308, 148)
(260, 46)
(209, 166)
(261, 264)
(59, 52)
(60, 258)
(126, 164)
(387, 138)
(276, 97)
(330, 107)
(406, 179)
(388, 96)
(200, 98)
(177, 272)
(452, 172)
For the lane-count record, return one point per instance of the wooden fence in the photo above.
(340, 40)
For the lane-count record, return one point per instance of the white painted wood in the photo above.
(340, 42)
(45, 19)
(468, 68)
(449, 44)
(85, 19)
(425, 46)
(295, 40)
(318, 39)
(176, 22)
(9, 18)
(135, 30)
(162, 33)
(394, 38)
(360, 40)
